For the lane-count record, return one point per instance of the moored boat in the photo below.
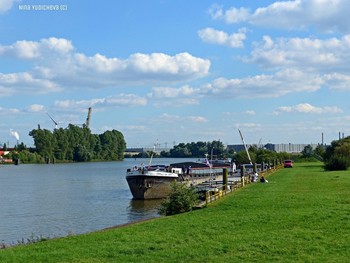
(151, 182)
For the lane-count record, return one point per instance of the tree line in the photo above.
(78, 144)
(72, 144)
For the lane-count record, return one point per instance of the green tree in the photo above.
(181, 150)
(113, 145)
(217, 148)
(265, 156)
(44, 141)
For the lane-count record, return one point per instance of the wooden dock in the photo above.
(216, 189)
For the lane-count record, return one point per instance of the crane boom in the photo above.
(245, 146)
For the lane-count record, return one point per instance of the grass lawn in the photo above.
(301, 215)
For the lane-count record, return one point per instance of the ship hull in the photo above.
(149, 187)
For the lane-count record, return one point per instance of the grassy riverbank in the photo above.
(301, 215)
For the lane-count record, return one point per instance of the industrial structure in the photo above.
(281, 147)
(88, 118)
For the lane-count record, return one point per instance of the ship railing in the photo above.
(207, 172)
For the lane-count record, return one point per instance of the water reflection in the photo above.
(54, 200)
(140, 209)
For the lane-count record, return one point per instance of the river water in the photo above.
(57, 200)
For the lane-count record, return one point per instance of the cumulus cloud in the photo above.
(43, 49)
(213, 36)
(338, 81)
(36, 108)
(165, 117)
(326, 60)
(319, 55)
(231, 15)
(265, 86)
(168, 92)
(249, 112)
(249, 125)
(308, 108)
(25, 83)
(325, 15)
(55, 64)
(128, 100)
(272, 85)
(174, 97)
(9, 111)
(197, 119)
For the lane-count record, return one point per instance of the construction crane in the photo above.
(87, 123)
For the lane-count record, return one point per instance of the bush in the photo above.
(337, 155)
(337, 163)
(180, 200)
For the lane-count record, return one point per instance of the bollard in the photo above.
(224, 178)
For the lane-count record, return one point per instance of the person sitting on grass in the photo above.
(263, 180)
(255, 177)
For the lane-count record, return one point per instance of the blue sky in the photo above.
(177, 71)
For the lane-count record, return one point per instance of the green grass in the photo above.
(301, 215)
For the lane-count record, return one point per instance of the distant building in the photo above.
(134, 151)
(287, 147)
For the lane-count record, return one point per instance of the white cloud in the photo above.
(165, 117)
(43, 49)
(168, 92)
(25, 83)
(6, 5)
(232, 15)
(56, 64)
(36, 108)
(8, 111)
(169, 118)
(174, 97)
(314, 55)
(264, 86)
(308, 108)
(330, 15)
(250, 112)
(213, 36)
(272, 85)
(249, 126)
(337, 81)
(128, 100)
(197, 119)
